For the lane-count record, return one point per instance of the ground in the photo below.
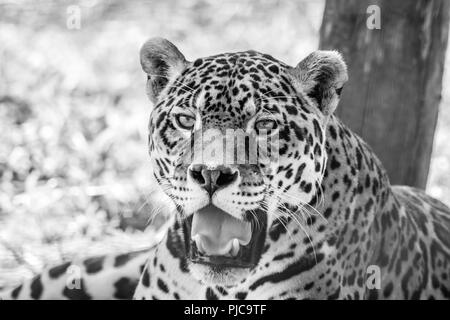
(74, 173)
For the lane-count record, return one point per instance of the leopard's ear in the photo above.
(321, 75)
(162, 62)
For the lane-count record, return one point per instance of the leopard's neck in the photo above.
(357, 199)
(354, 178)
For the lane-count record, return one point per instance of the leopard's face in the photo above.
(236, 143)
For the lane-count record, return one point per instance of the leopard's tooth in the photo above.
(243, 243)
(235, 248)
(198, 242)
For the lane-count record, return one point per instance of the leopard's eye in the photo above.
(185, 121)
(266, 124)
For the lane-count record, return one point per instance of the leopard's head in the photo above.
(237, 141)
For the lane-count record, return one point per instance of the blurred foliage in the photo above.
(439, 176)
(74, 173)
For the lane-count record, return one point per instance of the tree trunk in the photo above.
(395, 77)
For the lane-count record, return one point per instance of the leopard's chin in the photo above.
(216, 275)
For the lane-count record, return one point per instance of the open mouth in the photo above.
(218, 239)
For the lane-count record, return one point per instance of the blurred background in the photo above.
(75, 178)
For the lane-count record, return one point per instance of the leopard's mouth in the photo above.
(221, 241)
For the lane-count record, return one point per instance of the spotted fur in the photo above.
(332, 218)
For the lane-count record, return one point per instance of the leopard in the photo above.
(314, 217)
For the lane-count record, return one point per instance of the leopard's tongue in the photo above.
(214, 232)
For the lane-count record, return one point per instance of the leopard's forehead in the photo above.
(245, 61)
(231, 69)
(230, 82)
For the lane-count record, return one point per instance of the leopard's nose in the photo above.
(213, 179)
